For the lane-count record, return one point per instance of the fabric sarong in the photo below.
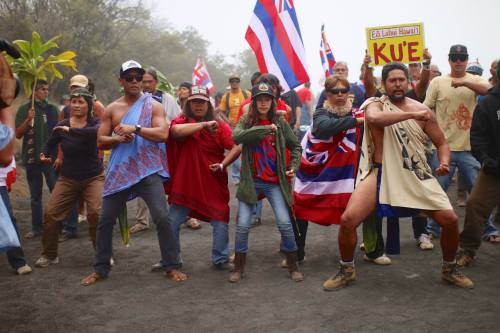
(326, 178)
(130, 163)
(406, 179)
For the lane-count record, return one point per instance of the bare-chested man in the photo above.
(135, 127)
(395, 178)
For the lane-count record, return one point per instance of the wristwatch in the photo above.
(137, 129)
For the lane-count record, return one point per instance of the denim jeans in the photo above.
(235, 169)
(151, 190)
(35, 174)
(257, 210)
(281, 212)
(220, 234)
(15, 255)
(468, 167)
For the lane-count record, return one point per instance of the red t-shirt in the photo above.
(305, 95)
(192, 184)
(264, 157)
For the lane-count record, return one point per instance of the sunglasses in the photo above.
(131, 77)
(458, 57)
(336, 91)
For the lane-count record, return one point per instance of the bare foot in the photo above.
(176, 276)
(91, 279)
(494, 239)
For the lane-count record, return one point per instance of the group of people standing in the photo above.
(367, 155)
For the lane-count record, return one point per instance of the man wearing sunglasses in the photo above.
(135, 127)
(453, 98)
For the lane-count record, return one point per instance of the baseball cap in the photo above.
(130, 64)
(458, 49)
(262, 89)
(79, 81)
(474, 68)
(198, 92)
(185, 84)
(234, 77)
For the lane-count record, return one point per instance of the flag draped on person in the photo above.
(201, 76)
(274, 36)
(327, 174)
(326, 54)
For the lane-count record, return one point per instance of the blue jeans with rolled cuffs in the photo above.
(220, 235)
(281, 212)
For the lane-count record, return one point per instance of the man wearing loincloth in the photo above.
(394, 178)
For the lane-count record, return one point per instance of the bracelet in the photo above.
(426, 66)
(221, 166)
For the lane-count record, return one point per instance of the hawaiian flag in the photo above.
(274, 35)
(326, 54)
(201, 76)
(326, 178)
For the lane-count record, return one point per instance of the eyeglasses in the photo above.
(336, 91)
(131, 77)
(458, 57)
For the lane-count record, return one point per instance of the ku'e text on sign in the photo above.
(404, 43)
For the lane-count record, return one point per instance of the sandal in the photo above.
(177, 276)
(91, 279)
(138, 227)
(494, 239)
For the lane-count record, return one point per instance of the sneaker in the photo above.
(285, 265)
(66, 236)
(158, 267)
(424, 242)
(345, 275)
(81, 218)
(111, 262)
(383, 260)
(362, 247)
(450, 274)
(24, 270)
(256, 222)
(193, 224)
(465, 258)
(138, 227)
(44, 262)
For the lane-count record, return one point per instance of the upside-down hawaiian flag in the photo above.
(201, 76)
(274, 35)
(326, 51)
(327, 174)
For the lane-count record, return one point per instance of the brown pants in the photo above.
(484, 197)
(63, 199)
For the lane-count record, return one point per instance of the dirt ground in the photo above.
(407, 296)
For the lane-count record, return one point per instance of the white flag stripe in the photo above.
(294, 37)
(320, 188)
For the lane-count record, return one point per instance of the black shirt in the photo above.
(79, 147)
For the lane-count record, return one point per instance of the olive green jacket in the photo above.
(248, 137)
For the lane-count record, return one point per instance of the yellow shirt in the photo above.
(454, 109)
(235, 101)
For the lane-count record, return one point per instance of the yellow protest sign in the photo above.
(404, 43)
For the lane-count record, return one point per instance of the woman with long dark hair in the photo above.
(265, 170)
(81, 173)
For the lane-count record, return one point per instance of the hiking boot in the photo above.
(24, 270)
(239, 267)
(345, 275)
(293, 266)
(383, 260)
(424, 242)
(44, 261)
(284, 264)
(465, 258)
(451, 274)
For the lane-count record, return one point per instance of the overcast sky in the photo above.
(224, 22)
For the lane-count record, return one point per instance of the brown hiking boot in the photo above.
(239, 267)
(345, 275)
(465, 258)
(450, 274)
(293, 266)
